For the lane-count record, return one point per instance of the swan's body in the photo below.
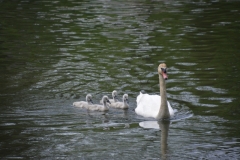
(153, 105)
(99, 107)
(114, 96)
(121, 105)
(83, 104)
(149, 105)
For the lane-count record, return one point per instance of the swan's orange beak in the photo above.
(163, 71)
(165, 75)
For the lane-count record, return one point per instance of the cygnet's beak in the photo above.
(115, 97)
(91, 101)
(127, 101)
(108, 101)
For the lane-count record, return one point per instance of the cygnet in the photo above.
(121, 105)
(83, 104)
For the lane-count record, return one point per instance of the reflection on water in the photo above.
(164, 125)
(149, 124)
(53, 53)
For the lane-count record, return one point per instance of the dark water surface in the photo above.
(53, 53)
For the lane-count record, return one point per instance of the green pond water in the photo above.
(53, 53)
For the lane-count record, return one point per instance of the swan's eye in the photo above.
(164, 70)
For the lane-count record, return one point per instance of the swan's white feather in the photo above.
(149, 105)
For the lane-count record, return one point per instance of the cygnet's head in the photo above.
(114, 94)
(162, 70)
(89, 98)
(105, 99)
(125, 98)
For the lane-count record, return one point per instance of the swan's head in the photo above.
(162, 70)
(105, 99)
(125, 98)
(114, 94)
(89, 98)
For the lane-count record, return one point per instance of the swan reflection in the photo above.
(164, 127)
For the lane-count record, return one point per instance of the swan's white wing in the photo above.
(149, 105)
(139, 97)
(170, 109)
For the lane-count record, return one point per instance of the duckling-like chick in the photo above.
(121, 105)
(99, 107)
(114, 96)
(83, 104)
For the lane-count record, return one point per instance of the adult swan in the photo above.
(153, 105)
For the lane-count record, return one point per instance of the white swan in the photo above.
(82, 104)
(121, 105)
(153, 105)
(115, 98)
(99, 107)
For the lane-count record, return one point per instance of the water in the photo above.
(55, 52)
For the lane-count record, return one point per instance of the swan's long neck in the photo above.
(163, 111)
(125, 103)
(105, 104)
(88, 101)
